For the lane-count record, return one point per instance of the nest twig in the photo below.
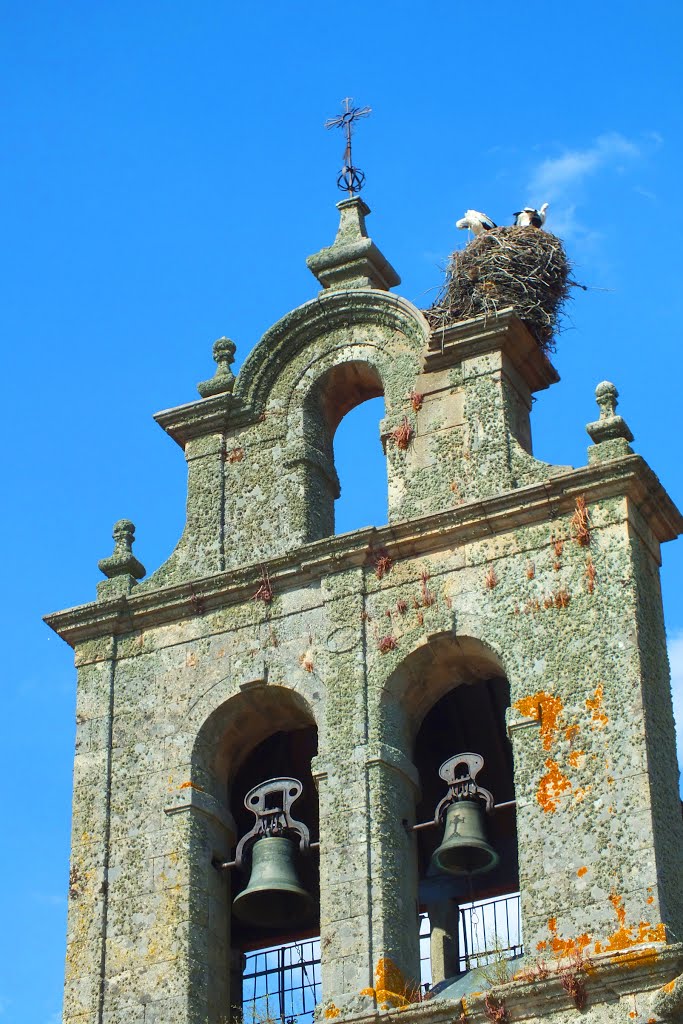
(525, 268)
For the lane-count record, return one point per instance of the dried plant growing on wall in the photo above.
(530, 570)
(495, 1010)
(403, 434)
(591, 575)
(387, 643)
(383, 563)
(416, 400)
(428, 597)
(573, 980)
(234, 455)
(580, 523)
(265, 591)
(491, 579)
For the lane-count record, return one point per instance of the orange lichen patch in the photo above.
(332, 1011)
(650, 899)
(633, 1014)
(635, 958)
(190, 785)
(551, 786)
(581, 793)
(544, 708)
(594, 704)
(625, 935)
(582, 871)
(392, 990)
(669, 987)
(576, 758)
(563, 947)
(618, 904)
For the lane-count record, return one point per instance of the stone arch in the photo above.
(333, 321)
(314, 365)
(449, 696)
(441, 662)
(240, 722)
(236, 727)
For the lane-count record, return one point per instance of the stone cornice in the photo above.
(629, 476)
(606, 977)
(215, 415)
(481, 334)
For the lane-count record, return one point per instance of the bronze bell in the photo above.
(464, 849)
(274, 897)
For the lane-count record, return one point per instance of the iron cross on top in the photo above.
(351, 179)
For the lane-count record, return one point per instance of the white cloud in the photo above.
(555, 175)
(676, 662)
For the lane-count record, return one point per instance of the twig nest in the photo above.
(525, 268)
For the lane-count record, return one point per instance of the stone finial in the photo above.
(609, 427)
(122, 562)
(223, 381)
(353, 260)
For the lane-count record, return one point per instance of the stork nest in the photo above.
(525, 268)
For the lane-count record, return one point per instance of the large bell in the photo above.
(274, 897)
(465, 849)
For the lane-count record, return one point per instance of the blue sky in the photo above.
(166, 173)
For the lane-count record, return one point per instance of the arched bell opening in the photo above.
(336, 393)
(275, 866)
(275, 893)
(263, 735)
(467, 864)
(450, 717)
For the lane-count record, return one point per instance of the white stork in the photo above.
(476, 222)
(530, 217)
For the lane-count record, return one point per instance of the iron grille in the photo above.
(488, 930)
(281, 983)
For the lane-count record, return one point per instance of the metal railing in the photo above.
(488, 931)
(281, 983)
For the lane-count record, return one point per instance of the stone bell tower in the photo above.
(497, 649)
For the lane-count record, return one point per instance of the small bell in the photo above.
(464, 849)
(274, 897)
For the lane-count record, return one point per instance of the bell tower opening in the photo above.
(341, 436)
(362, 469)
(275, 923)
(468, 871)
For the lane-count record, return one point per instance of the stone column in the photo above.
(444, 943)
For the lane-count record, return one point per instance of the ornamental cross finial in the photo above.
(351, 179)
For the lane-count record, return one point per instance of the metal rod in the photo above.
(228, 865)
(433, 824)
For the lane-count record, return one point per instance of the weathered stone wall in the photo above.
(261, 620)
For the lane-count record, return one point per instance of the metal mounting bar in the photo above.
(432, 824)
(228, 865)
